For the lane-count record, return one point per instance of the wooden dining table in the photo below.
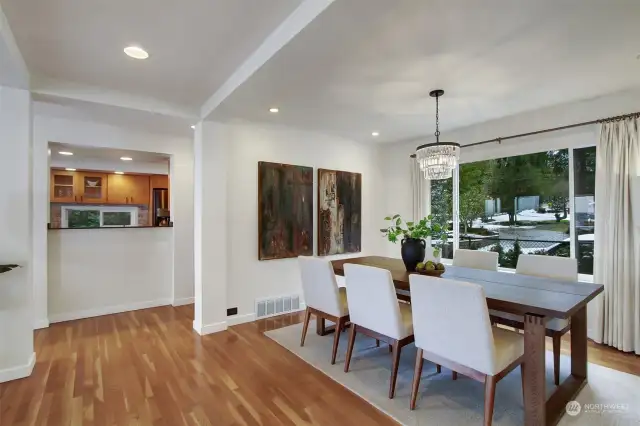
(537, 300)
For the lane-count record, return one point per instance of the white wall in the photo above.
(249, 278)
(99, 271)
(16, 331)
(395, 167)
(93, 134)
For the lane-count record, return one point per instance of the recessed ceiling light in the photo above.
(136, 52)
(374, 134)
(70, 169)
(193, 126)
(274, 110)
(65, 153)
(119, 173)
(126, 158)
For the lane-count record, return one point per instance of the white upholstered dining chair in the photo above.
(375, 311)
(323, 297)
(487, 260)
(452, 328)
(557, 268)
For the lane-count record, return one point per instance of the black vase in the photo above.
(413, 252)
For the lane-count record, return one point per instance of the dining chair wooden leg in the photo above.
(522, 379)
(454, 375)
(352, 340)
(394, 368)
(556, 358)
(305, 327)
(417, 372)
(377, 343)
(489, 398)
(390, 349)
(336, 339)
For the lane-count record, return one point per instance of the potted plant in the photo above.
(412, 238)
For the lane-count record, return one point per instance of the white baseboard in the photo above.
(41, 323)
(209, 328)
(240, 319)
(107, 310)
(18, 372)
(183, 301)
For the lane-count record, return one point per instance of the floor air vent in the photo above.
(277, 306)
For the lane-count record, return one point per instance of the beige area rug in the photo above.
(610, 398)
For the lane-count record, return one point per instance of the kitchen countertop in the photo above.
(110, 227)
(8, 267)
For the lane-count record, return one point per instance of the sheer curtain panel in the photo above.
(615, 315)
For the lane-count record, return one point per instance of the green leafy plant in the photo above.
(424, 228)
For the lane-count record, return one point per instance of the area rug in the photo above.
(610, 398)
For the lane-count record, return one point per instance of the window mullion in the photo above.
(456, 208)
(572, 208)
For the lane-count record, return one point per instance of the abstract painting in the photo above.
(339, 212)
(285, 211)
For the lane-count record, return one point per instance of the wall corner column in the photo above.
(210, 227)
(17, 356)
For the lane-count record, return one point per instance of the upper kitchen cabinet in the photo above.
(128, 189)
(93, 187)
(78, 187)
(159, 182)
(140, 190)
(64, 187)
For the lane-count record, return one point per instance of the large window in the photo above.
(516, 205)
(99, 216)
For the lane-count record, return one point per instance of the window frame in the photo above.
(572, 143)
(102, 209)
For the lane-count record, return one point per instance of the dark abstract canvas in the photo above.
(339, 212)
(285, 211)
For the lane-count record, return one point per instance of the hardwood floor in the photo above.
(149, 367)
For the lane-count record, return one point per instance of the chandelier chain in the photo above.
(437, 133)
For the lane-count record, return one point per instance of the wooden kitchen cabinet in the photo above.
(159, 181)
(92, 187)
(128, 189)
(64, 187)
(139, 190)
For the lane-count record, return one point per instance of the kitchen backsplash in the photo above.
(56, 213)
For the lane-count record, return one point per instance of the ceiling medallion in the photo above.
(437, 160)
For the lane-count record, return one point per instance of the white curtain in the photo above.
(616, 314)
(418, 185)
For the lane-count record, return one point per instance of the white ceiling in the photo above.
(359, 66)
(107, 160)
(83, 153)
(139, 120)
(195, 45)
(366, 65)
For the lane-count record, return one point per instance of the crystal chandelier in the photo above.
(437, 160)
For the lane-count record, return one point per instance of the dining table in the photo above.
(537, 299)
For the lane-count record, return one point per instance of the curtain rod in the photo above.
(554, 129)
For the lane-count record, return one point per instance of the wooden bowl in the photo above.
(434, 273)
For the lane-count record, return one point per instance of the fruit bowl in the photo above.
(431, 273)
(430, 268)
